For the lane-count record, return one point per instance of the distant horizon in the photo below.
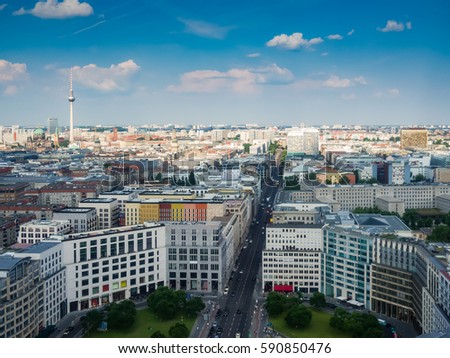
(236, 126)
(288, 62)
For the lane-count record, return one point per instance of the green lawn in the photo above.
(429, 212)
(146, 323)
(318, 328)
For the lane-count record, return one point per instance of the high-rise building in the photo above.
(52, 127)
(303, 141)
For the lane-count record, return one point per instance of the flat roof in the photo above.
(98, 200)
(294, 225)
(39, 247)
(74, 210)
(116, 230)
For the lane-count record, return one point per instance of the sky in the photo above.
(284, 62)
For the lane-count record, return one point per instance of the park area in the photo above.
(145, 325)
(318, 328)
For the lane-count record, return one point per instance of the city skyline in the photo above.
(143, 62)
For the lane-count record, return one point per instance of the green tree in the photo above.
(193, 307)
(179, 330)
(298, 317)
(339, 318)
(121, 315)
(318, 300)
(440, 233)
(158, 334)
(159, 177)
(166, 303)
(275, 303)
(358, 325)
(418, 178)
(92, 320)
(247, 147)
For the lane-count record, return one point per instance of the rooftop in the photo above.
(294, 226)
(7, 262)
(74, 210)
(98, 200)
(40, 247)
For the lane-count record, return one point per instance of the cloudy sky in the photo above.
(225, 61)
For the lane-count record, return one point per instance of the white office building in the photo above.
(107, 211)
(81, 219)
(35, 231)
(303, 140)
(104, 266)
(200, 255)
(291, 258)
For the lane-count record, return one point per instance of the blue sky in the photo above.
(225, 62)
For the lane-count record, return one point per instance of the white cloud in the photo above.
(53, 9)
(104, 79)
(394, 26)
(234, 80)
(360, 80)
(324, 54)
(335, 82)
(253, 55)
(12, 71)
(334, 37)
(351, 32)
(292, 42)
(2, 6)
(10, 90)
(205, 29)
(389, 93)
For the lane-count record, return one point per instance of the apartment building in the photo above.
(49, 255)
(122, 196)
(21, 297)
(107, 211)
(142, 210)
(291, 258)
(68, 194)
(242, 208)
(11, 192)
(35, 231)
(40, 212)
(81, 219)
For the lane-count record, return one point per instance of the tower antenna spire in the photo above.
(71, 100)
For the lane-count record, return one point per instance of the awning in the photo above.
(283, 288)
(356, 303)
(342, 298)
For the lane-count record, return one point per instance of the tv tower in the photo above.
(71, 100)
